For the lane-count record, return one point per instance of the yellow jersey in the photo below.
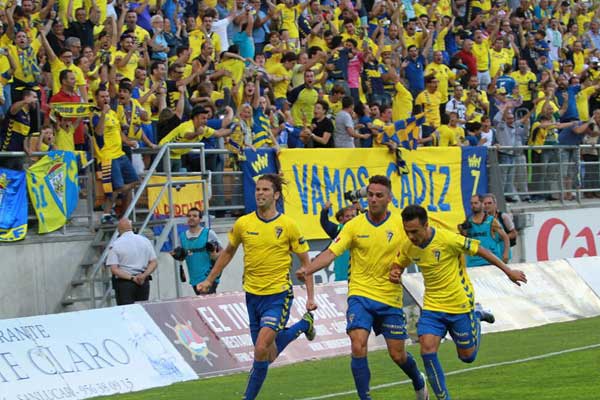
(289, 18)
(63, 139)
(441, 261)
(373, 249)
(582, 100)
(482, 55)
(431, 105)
(27, 67)
(402, 106)
(56, 66)
(131, 119)
(498, 59)
(267, 245)
(108, 146)
(449, 136)
(177, 135)
(523, 82)
(444, 75)
(280, 88)
(128, 71)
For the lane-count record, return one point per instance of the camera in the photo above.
(3, 51)
(355, 195)
(211, 246)
(465, 226)
(179, 253)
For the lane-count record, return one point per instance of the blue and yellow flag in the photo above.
(407, 131)
(53, 189)
(259, 162)
(13, 205)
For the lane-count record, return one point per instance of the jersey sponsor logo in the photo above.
(251, 233)
(416, 259)
(390, 235)
(436, 255)
(278, 231)
(363, 236)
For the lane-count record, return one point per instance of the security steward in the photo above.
(132, 260)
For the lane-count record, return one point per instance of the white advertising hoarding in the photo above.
(86, 354)
(588, 268)
(554, 293)
(562, 234)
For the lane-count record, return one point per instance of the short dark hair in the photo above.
(381, 180)
(323, 104)
(63, 74)
(413, 212)
(347, 101)
(195, 209)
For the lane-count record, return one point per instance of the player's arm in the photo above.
(224, 259)
(513, 274)
(396, 271)
(308, 281)
(321, 261)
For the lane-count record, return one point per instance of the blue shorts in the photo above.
(462, 327)
(364, 313)
(271, 311)
(122, 172)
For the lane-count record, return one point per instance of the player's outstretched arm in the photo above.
(320, 262)
(309, 281)
(513, 274)
(223, 260)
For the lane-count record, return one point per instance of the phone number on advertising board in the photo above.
(85, 390)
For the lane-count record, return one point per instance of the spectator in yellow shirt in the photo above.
(429, 101)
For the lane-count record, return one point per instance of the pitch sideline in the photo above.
(460, 371)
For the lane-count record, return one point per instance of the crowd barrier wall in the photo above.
(121, 349)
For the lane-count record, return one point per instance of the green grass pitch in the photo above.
(553, 374)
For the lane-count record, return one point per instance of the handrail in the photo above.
(160, 157)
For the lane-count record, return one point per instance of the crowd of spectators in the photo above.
(239, 74)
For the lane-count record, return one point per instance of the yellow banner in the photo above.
(185, 196)
(316, 176)
(73, 110)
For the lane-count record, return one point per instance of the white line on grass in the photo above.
(461, 371)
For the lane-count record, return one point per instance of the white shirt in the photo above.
(220, 28)
(131, 252)
(488, 136)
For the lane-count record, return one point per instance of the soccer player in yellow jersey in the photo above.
(374, 302)
(268, 238)
(449, 303)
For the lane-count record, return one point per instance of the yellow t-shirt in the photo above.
(280, 88)
(108, 146)
(449, 136)
(289, 19)
(272, 59)
(63, 138)
(402, 106)
(444, 75)
(416, 39)
(267, 247)
(523, 82)
(24, 60)
(334, 107)
(56, 66)
(447, 284)
(177, 135)
(304, 105)
(62, 10)
(128, 71)
(482, 55)
(373, 249)
(498, 59)
(141, 35)
(431, 105)
(236, 67)
(582, 100)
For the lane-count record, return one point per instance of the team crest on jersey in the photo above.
(278, 231)
(390, 235)
(437, 254)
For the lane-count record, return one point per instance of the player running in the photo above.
(268, 237)
(449, 303)
(373, 301)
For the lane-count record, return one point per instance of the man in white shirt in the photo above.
(132, 260)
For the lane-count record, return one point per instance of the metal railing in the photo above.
(164, 156)
(543, 173)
